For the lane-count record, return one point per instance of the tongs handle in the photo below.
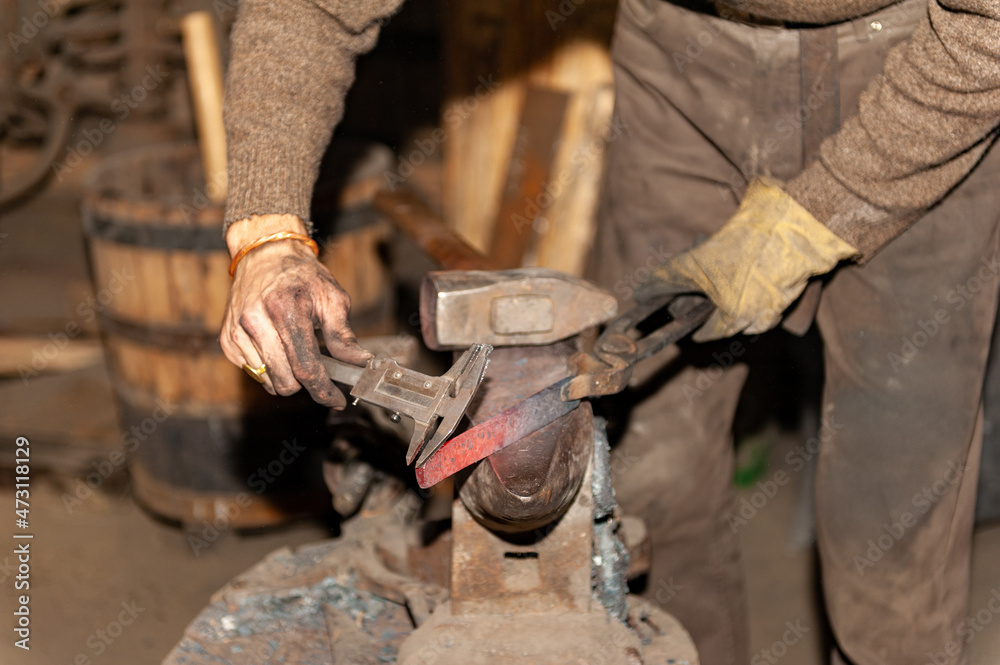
(342, 372)
(619, 347)
(687, 313)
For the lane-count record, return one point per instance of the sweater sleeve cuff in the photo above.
(272, 184)
(866, 227)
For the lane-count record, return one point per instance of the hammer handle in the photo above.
(429, 232)
(201, 52)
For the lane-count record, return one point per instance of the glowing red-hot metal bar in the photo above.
(495, 434)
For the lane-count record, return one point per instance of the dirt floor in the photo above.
(111, 586)
(101, 563)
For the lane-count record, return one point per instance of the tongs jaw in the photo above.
(609, 368)
(465, 376)
(435, 403)
(460, 384)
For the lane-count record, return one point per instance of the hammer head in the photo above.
(524, 307)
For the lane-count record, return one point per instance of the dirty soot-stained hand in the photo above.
(280, 296)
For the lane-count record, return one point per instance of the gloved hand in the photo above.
(755, 266)
(280, 294)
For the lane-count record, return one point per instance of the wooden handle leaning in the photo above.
(429, 232)
(201, 51)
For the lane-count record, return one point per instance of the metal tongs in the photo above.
(605, 371)
(435, 403)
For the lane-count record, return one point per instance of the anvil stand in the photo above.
(537, 571)
(537, 574)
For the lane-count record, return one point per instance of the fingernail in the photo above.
(337, 400)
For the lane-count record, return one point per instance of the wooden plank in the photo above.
(485, 91)
(494, 50)
(42, 355)
(524, 198)
(578, 172)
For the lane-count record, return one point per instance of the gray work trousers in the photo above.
(706, 104)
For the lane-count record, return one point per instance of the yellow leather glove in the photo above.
(755, 266)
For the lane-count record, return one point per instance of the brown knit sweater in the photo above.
(920, 128)
(291, 64)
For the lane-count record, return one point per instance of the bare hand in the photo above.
(280, 295)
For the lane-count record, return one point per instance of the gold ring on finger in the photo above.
(256, 373)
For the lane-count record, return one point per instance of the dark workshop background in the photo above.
(99, 137)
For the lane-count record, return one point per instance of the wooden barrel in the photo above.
(205, 443)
